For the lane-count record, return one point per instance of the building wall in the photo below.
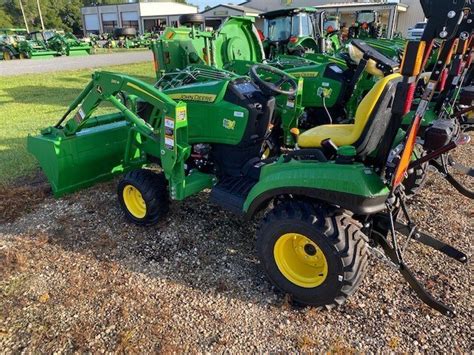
(409, 18)
(221, 12)
(406, 19)
(165, 8)
(269, 5)
(169, 11)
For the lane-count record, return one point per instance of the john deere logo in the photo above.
(194, 97)
(228, 124)
(305, 74)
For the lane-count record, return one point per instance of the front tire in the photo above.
(143, 196)
(316, 256)
(7, 55)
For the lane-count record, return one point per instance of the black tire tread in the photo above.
(153, 187)
(342, 231)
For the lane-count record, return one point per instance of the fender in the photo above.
(350, 186)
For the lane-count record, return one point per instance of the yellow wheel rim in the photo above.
(134, 201)
(266, 153)
(300, 260)
(6, 56)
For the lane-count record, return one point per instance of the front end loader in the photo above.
(75, 47)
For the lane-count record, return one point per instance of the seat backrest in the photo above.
(373, 114)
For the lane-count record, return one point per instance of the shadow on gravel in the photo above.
(22, 196)
(198, 245)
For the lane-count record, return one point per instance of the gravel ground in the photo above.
(18, 67)
(74, 276)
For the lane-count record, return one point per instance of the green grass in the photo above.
(31, 102)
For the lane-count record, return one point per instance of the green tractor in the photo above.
(42, 44)
(52, 43)
(331, 87)
(367, 26)
(75, 47)
(303, 31)
(327, 205)
(291, 31)
(9, 39)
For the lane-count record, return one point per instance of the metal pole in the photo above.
(24, 17)
(41, 16)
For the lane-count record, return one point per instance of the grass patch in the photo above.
(31, 102)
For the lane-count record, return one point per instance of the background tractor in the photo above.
(9, 40)
(291, 31)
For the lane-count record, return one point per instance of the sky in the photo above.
(202, 3)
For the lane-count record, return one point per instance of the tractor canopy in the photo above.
(281, 25)
(291, 31)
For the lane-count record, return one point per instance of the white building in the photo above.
(217, 14)
(408, 12)
(144, 16)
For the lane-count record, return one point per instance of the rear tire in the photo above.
(191, 19)
(416, 178)
(143, 196)
(316, 256)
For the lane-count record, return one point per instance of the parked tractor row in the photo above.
(327, 144)
(122, 38)
(19, 44)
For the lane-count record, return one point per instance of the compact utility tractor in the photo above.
(9, 39)
(51, 43)
(328, 204)
(367, 26)
(42, 44)
(74, 46)
(292, 31)
(331, 89)
(302, 31)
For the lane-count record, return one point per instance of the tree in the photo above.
(5, 19)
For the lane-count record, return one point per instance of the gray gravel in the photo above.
(18, 67)
(74, 276)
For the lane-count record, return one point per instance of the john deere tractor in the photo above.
(366, 25)
(327, 204)
(291, 31)
(331, 87)
(9, 40)
(42, 44)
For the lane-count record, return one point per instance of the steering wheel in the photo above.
(273, 87)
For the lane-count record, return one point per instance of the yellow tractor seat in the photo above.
(372, 116)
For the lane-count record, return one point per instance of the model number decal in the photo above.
(228, 124)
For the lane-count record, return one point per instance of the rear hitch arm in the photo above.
(407, 274)
(387, 224)
(428, 240)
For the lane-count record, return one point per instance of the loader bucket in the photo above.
(92, 155)
(75, 51)
(43, 54)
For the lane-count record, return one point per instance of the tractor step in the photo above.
(231, 192)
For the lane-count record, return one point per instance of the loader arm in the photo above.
(105, 86)
(85, 148)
